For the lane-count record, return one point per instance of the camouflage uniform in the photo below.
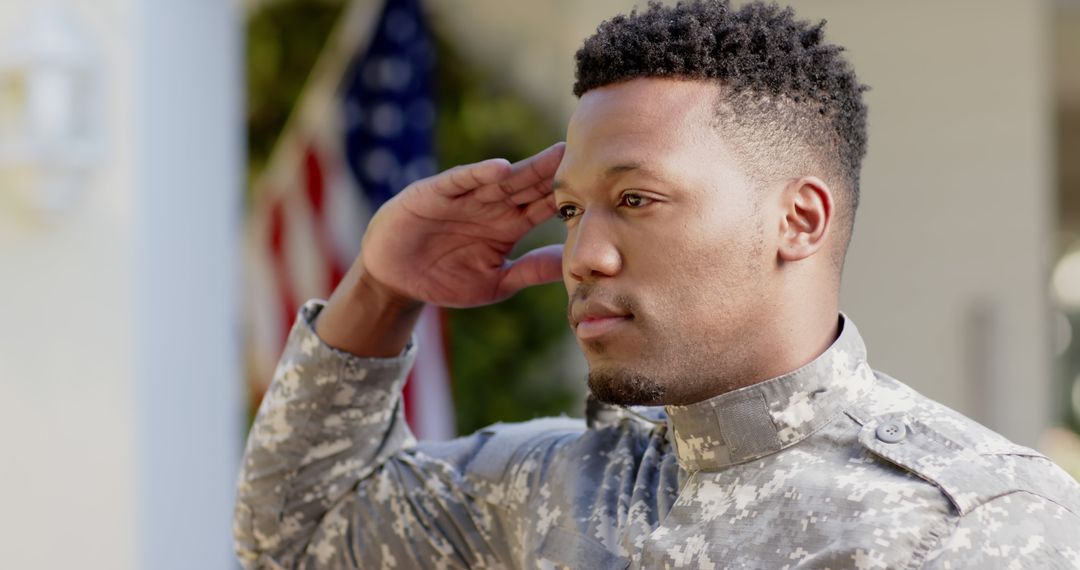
(831, 466)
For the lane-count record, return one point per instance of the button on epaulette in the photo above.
(968, 477)
(891, 431)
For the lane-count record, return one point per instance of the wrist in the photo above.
(371, 289)
(366, 318)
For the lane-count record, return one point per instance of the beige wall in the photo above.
(66, 376)
(946, 277)
(947, 273)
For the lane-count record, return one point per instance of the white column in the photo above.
(189, 138)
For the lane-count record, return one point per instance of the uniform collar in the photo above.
(761, 419)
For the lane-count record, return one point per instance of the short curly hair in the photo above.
(789, 99)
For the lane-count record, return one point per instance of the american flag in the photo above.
(361, 132)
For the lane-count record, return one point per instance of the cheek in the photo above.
(681, 275)
(710, 272)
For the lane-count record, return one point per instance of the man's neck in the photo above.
(780, 349)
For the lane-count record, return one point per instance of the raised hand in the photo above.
(445, 239)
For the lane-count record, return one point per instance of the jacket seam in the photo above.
(1039, 495)
(934, 538)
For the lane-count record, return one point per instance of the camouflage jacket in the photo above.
(831, 466)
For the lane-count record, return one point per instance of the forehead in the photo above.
(646, 103)
(662, 124)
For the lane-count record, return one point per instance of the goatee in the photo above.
(623, 388)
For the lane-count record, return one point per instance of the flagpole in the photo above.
(352, 33)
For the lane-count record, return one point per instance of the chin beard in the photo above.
(623, 388)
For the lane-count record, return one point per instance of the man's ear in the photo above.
(808, 210)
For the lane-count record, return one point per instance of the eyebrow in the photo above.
(611, 171)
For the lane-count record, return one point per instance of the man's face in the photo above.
(669, 262)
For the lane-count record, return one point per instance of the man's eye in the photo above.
(568, 211)
(634, 200)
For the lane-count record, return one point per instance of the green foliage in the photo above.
(284, 39)
(498, 360)
(500, 354)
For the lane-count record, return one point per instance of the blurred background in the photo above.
(177, 176)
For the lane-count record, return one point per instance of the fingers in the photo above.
(466, 178)
(540, 211)
(539, 266)
(531, 193)
(532, 174)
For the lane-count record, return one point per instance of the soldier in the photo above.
(708, 184)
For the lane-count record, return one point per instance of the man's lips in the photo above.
(593, 318)
(592, 328)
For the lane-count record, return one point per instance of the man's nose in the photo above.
(593, 252)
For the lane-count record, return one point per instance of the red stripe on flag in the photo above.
(444, 335)
(287, 303)
(315, 186)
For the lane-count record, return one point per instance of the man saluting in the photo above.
(708, 184)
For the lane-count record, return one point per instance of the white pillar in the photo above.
(189, 138)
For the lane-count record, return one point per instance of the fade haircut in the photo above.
(789, 101)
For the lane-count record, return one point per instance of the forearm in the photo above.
(328, 421)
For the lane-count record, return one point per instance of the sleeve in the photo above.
(332, 477)
(1017, 530)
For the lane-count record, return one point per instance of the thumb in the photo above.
(539, 266)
